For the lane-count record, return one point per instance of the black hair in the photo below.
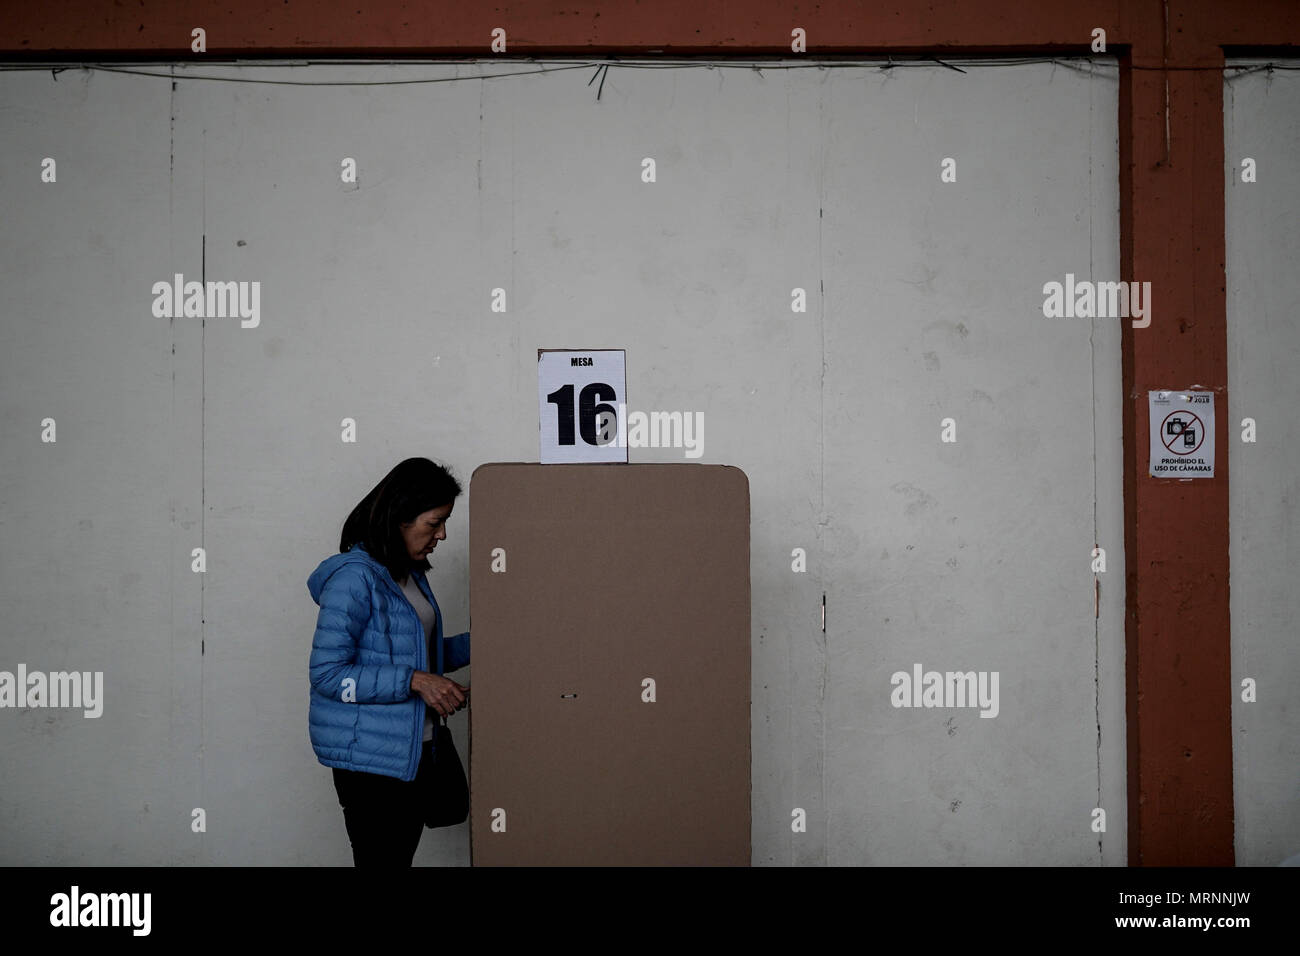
(413, 487)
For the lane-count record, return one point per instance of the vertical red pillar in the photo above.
(1179, 682)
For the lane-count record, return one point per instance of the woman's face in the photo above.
(423, 534)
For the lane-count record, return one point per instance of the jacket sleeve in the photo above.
(344, 610)
(455, 652)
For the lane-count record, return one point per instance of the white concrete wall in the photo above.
(1262, 122)
(186, 432)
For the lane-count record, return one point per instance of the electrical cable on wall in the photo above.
(757, 66)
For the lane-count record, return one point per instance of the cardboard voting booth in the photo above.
(609, 716)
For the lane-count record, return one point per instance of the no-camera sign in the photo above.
(1182, 434)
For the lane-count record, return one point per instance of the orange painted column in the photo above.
(1179, 681)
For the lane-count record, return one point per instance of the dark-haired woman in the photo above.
(373, 689)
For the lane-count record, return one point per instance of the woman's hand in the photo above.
(441, 693)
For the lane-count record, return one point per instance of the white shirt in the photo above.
(425, 610)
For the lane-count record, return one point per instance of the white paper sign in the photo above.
(1182, 434)
(580, 395)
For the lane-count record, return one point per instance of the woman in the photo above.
(373, 692)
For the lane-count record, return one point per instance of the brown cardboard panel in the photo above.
(614, 573)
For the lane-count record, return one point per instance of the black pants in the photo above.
(384, 815)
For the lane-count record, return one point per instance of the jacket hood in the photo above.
(316, 580)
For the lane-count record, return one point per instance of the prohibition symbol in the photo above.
(1182, 432)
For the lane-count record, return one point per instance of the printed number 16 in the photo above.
(588, 410)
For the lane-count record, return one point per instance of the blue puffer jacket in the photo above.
(368, 631)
